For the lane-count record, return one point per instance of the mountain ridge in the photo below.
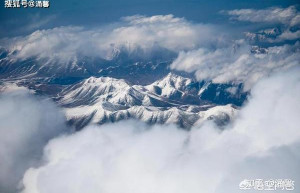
(106, 99)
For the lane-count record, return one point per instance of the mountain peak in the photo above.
(102, 80)
(172, 81)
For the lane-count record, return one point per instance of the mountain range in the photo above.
(97, 91)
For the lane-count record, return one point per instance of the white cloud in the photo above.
(26, 125)
(288, 35)
(132, 33)
(237, 63)
(273, 35)
(132, 157)
(203, 49)
(37, 21)
(287, 16)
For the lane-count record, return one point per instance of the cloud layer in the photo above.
(203, 49)
(132, 157)
(237, 63)
(287, 16)
(287, 19)
(131, 33)
(240, 62)
(27, 123)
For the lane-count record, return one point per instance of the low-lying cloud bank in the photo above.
(27, 123)
(237, 63)
(131, 157)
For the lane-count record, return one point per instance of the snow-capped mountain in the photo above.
(97, 90)
(173, 99)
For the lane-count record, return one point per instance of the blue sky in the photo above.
(97, 12)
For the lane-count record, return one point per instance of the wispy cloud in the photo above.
(287, 19)
(287, 16)
(36, 21)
